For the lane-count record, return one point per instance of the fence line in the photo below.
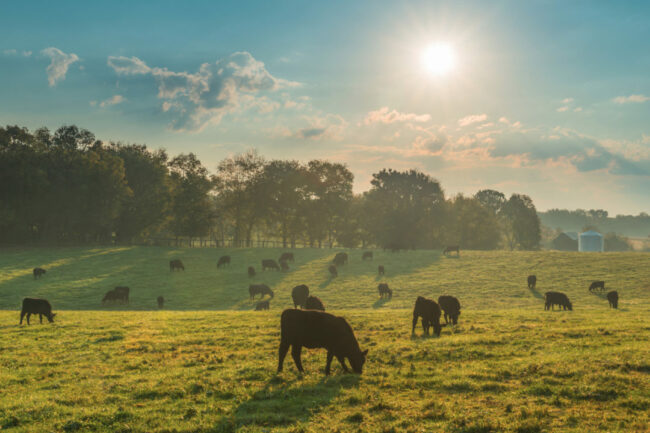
(230, 243)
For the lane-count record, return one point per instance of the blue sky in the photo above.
(547, 98)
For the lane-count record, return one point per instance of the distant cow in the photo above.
(269, 264)
(532, 281)
(284, 266)
(36, 306)
(612, 297)
(597, 285)
(333, 272)
(286, 257)
(367, 255)
(109, 296)
(117, 294)
(317, 329)
(340, 259)
(380, 269)
(161, 302)
(251, 272)
(556, 298)
(299, 295)
(223, 261)
(176, 265)
(429, 311)
(38, 272)
(451, 249)
(384, 290)
(264, 305)
(259, 289)
(450, 307)
(314, 303)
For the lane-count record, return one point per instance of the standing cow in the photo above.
(429, 311)
(251, 272)
(367, 255)
(450, 305)
(532, 281)
(299, 294)
(340, 259)
(384, 291)
(286, 257)
(380, 270)
(269, 264)
(259, 289)
(36, 306)
(612, 298)
(452, 249)
(264, 305)
(161, 302)
(38, 272)
(176, 265)
(333, 272)
(223, 261)
(284, 266)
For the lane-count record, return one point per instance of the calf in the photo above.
(532, 281)
(451, 307)
(288, 257)
(316, 329)
(38, 272)
(259, 289)
(36, 306)
(380, 270)
(333, 272)
(340, 259)
(612, 297)
(161, 302)
(264, 305)
(384, 290)
(299, 295)
(223, 261)
(556, 298)
(314, 303)
(367, 255)
(269, 264)
(284, 266)
(251, 272)
(451, 249)
(597, 285)
(429, 311)
(176, 265)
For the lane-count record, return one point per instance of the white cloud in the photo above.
(472, 118)
(128, 65)
(9, 52)
(562, 109)
(27, 53)
(113, 100)
(383, 115)
(631, 98)
(567, 100)
(59, 63)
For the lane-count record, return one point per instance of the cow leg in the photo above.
(329, 362)
(40, 318)
(284, 348)
(22, 314)
(342, 362)
(28, 315)
(425, 326)
(295, 353)
(415, 322)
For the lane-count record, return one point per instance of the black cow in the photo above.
(122, 293)
(111, 295)
(299, 295)
(384, 290)
(269, 264)
(264, 305)
(451, 249)
(340, 259)
(532, 281)
(284, 266)
(223, 261)
(36, 306)
(286, 257)
(429, 311)
(316, 329)
(175, 265)
(251, 272)
(556, 298)
(367, 255)
(259, 289)
(314, 303)
(380, 269)
(612, 297)
(333, 272)
(597, 285)
(161, 302)
(451, 308)
(38, 272)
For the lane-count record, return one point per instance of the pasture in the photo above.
(507, 366)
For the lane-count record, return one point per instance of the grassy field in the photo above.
(508, 366)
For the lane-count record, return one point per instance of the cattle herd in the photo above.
(308, 325)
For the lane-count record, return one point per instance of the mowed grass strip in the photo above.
(208, 371)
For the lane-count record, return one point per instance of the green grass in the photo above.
(508, 366)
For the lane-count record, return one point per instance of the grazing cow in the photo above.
(316, 329)
(451, 249)
(264, 305)
(251, 272)
(451, 308)
(269, 264)
(367, 255)
(556, 298)
(597, 285)
(314, 303)
(333, 272)
(299, 295)
(38, 272)
(223, 261)
(161, 302)
(340, 259)
(612, 297)
(286, 257)
(532, 281)
(36, 306)
(259, 289)
(176, 265)
(284, 266)
(110, 296)
(429, 311)
(380, 269)
(384, 290)
(122, 293)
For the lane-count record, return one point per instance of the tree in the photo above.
(491, 199)
(521, 225)
(472, 225)
(614, 242)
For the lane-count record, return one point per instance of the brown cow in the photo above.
(384, 290)
(223, 261)
(450, 305)
(612, 298)
(314, 303)
(556, 298)
(269, 264)
(264, 305)
(600, 285)
(36, 306)
(251, 272)
(286, 257)
(340, 259)
(532, 281)
(380, 270)
(429, 311)
(284, 266)
(38, 272)
(451, 249)
(333, 272)
(367, 255)
(299, 294)
(176, 264)
(259, 289)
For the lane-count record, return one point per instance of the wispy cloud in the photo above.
(113, 100)
(631, 99)
(59, 64)
(384, 115)
(472, 118)
(9, 52)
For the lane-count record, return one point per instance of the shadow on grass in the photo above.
(283, 403)
(535, 293)
(380, 302)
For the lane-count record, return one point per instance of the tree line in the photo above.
(68, 187)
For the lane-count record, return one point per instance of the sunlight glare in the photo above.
(438, 58)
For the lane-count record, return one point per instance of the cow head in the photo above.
(357, 360)
(569, 306)
(50, 317)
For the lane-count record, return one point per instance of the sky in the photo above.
(545, 98)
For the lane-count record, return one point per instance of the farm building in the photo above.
(567, 241)
(590, 241)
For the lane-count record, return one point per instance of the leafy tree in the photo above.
(521, 225)
(491, 199)
(614, 242)
(472, 225)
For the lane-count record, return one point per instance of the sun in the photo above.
(439, 58)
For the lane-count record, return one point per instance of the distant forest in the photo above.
(598, 219)
(69, 188)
